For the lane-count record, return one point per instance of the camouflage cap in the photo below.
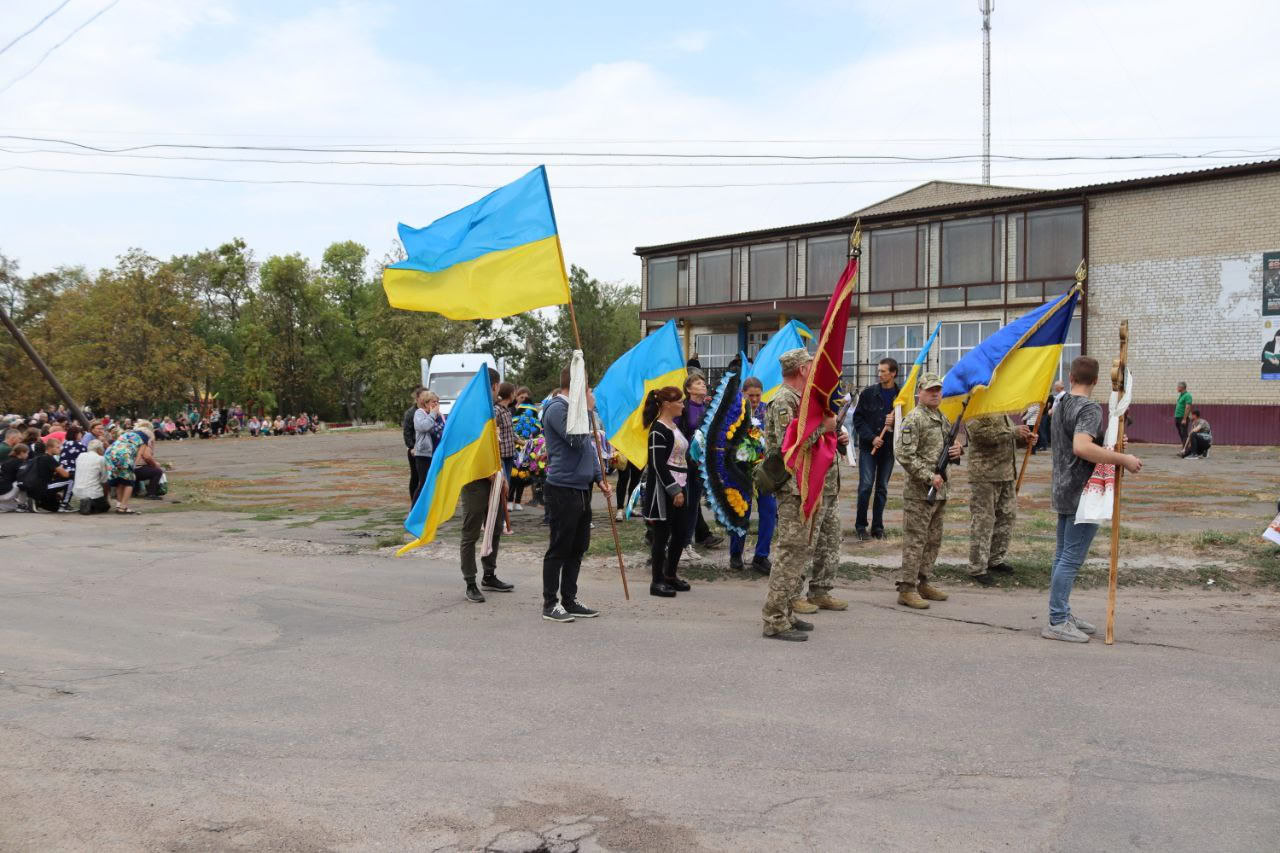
(930, 380)
(794, 359)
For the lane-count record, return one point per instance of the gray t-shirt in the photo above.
(1071, 415)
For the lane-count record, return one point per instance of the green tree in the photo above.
(287, 316)
(608, 320)
(345, 322)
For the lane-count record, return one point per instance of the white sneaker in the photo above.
(1085, 627)
(620, 516)
(690, 556)
(1065, 631)
(517, 508)
(511, 507)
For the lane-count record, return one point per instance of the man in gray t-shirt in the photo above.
(1077, 437)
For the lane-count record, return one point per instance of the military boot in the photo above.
(929, 592)
(908, 597)
(827, 601)
(802, 605)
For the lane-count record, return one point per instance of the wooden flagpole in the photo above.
(1119, 371)
(1082, 273)
(608, 501)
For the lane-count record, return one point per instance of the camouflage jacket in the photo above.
(782, 410)
(992, 443)
(920, 441)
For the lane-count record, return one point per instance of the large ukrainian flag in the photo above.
(497, 257)
(467, 451)
(655, 362)
(766, 367)
(1013, 368)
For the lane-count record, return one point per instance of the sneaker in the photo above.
(1085, 627)
(690, 556)
(801, 625)
(1065, 631)
(494, 583)
(556, 613)
(713, 541)
(735, 562)
(619, 516)
(791, 634)
(577, 610)
(473, 594)
(517, 508)
(511, 507)
(761, 565)
(863, 535)
(877, 534)
(984, 579)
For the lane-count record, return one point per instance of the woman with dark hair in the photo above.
(1271, 355)
(695, 407)
(666, 488)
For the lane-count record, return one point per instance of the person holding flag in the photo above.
(873, 420)
(476, 497)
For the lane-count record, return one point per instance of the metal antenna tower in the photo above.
(986, 9)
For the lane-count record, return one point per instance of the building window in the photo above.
(715, 351)
(662, 282)
(714, 277)
(756, 342)
(825, 258)
(968, 251)
(768, 272)
(850, 360)
(1050, 242)
(894, 260)
(956, 339)
(1070, 350)
(899, 342)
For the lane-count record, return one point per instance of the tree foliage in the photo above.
(282, 335)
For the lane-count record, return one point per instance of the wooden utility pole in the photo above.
(43, 368)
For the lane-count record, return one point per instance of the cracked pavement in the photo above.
(166, 687)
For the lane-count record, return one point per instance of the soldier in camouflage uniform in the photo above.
(992, 502)
(921, 438)
(791, 536)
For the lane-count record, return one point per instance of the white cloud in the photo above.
(691, 42)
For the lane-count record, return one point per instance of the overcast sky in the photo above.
(562, 84)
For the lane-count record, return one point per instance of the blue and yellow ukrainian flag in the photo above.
(1013, 368)
(467, 451)
(497, 257)
(655, 362)
(906, 399)
(766, 367)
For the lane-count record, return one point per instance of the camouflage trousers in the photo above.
(992, 509)
(921, 538)
(792, 551)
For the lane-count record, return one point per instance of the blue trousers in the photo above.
(874, 470)
(1072, 548)
(768, 507)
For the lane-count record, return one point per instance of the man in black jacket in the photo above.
(875, 446)
(410, 438)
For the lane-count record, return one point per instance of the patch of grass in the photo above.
(1211, 538)
(389, 540)
(267, 516)
(853, 571)
(233, 530)
(1215, 574)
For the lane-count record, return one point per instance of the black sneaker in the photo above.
(801, 625)
(473, 594)
(578, 611)
(492, 582)
(984, 579)
(862, 535)
(556, 613)
(1002, 568)
(877, 534)
(735, 562)
(761, 565)
(712, 541)
(791, 635)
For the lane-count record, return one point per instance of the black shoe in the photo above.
(761, 565)
(578, 611)
(492, 582)
(877, 534)
(712, 541)
(862, 535)
(473, 594)
(1002, 568)
(791, 635)
(678, 584)
(735, 562)
(984, 579)
(661, 589)
(801, 625)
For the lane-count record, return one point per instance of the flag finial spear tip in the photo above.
(1082, 272)
(855, 240)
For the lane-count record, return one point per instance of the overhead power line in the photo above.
(36, 26)
(65, 39)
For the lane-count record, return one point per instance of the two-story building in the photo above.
(1179, 256)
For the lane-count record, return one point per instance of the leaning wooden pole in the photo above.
(43, 368)
(1119, 369)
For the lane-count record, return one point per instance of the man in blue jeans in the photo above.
(1077, 447)
(753, 399)
(873, 422)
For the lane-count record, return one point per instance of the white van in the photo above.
(448, 373)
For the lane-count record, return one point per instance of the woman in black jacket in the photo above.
(666, 488)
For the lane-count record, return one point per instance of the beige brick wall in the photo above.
(1184, 265)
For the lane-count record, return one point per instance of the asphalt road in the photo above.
(167, 687)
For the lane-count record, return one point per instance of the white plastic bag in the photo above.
(1099, 492)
